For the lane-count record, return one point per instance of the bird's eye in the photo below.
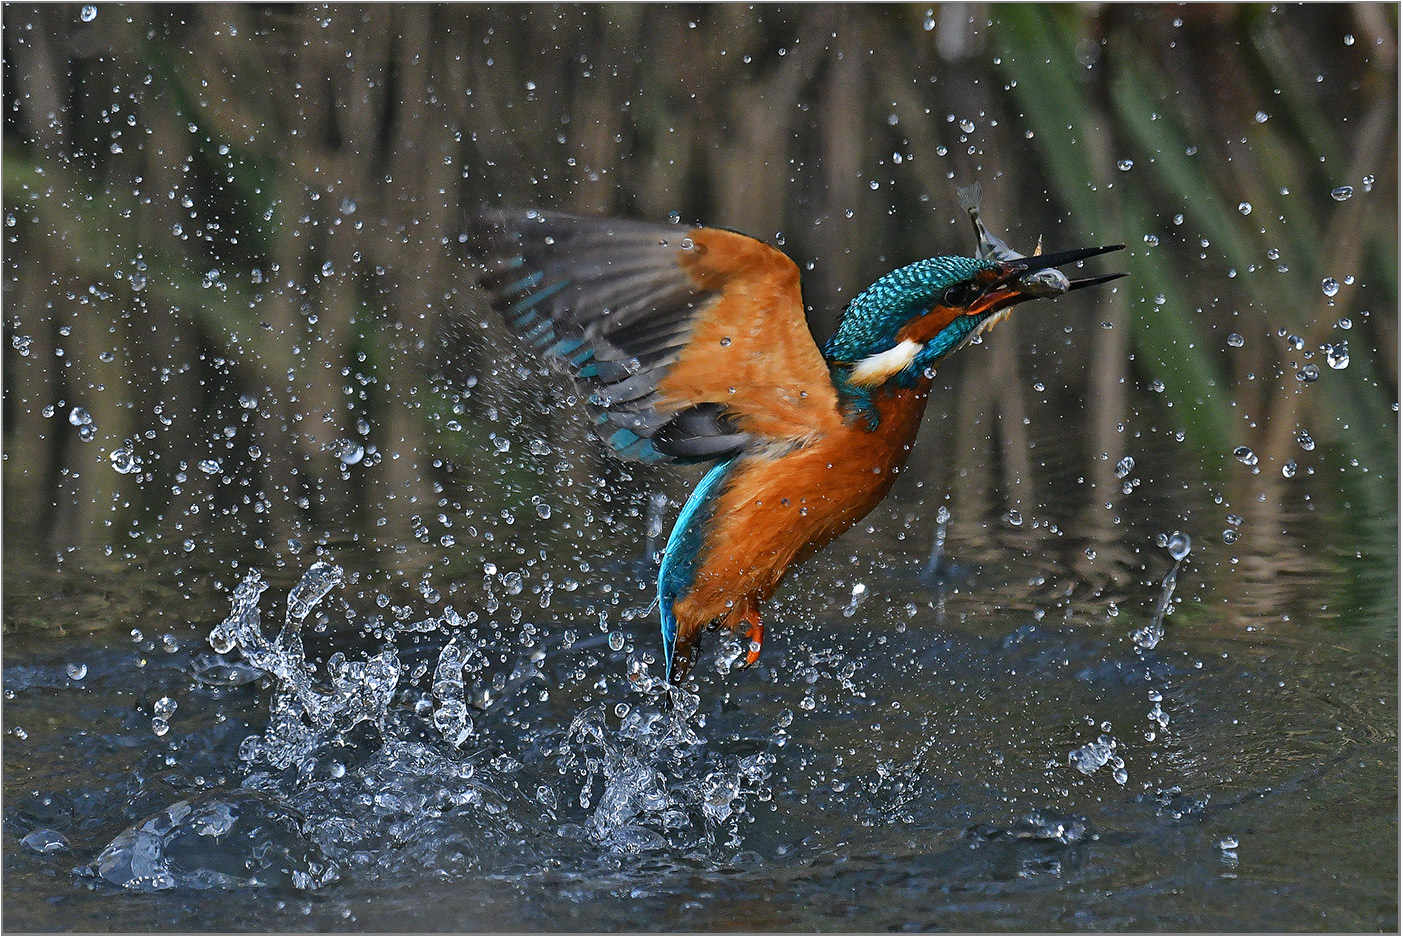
(961, 294)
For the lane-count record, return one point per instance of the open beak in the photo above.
(1037, 276)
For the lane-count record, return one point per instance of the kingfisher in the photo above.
(693, 347)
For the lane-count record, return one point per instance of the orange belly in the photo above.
(775, 513)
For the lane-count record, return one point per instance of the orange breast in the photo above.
(777, 512)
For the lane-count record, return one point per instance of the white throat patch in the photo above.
(874, 369)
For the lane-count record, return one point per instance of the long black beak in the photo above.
(1038, 275)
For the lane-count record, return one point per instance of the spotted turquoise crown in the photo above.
(870, 323)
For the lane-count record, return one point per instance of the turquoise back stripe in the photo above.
(679, 566)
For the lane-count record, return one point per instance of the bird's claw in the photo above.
(755, 634)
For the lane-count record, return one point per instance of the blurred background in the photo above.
(239, 332)
(235, 298)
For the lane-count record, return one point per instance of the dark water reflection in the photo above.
(908, 758)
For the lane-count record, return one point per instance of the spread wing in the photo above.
(692, 342)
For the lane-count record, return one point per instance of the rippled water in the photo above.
(958, 723)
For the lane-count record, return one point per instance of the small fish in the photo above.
(1046, 282)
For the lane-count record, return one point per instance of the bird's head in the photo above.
(905, 324)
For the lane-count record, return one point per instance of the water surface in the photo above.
(920, 751)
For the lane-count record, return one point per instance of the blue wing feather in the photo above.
(606, 299)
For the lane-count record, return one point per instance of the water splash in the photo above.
(1101, 752)
(654, 783)
(450, 706)
(224, 839)
(302, 714)
(1149, 635)
(935, 563)
(363, 768)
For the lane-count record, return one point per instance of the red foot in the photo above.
(756, 634)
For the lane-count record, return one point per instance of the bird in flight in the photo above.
(693, 348)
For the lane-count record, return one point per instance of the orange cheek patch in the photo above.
(924, 328)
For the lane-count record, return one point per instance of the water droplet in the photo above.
(1244, 208)
(88, 13)
(1228, 843)
(1296, 342)
(124, 460)
(725, 341)
(616, 640)
(1236, 341)
(1125, 165)
(1308, 374)
(1330, 286)
(1289, 469)
(1345, 323)
(859, 595)
(1262, 117)
(1014, 517)
(1245, 456)
(1305, 440)
(79, 417)
(1341, 193)
(542, 510)
(1179, 545)
(1152, 240)
(1337, 355)
(1368, 183)
(248, 402)
(967, 126)
(1157, 386)
(1125, 467)
(1229, 536)
(77, 670)
(209, 466)
(348, 451)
